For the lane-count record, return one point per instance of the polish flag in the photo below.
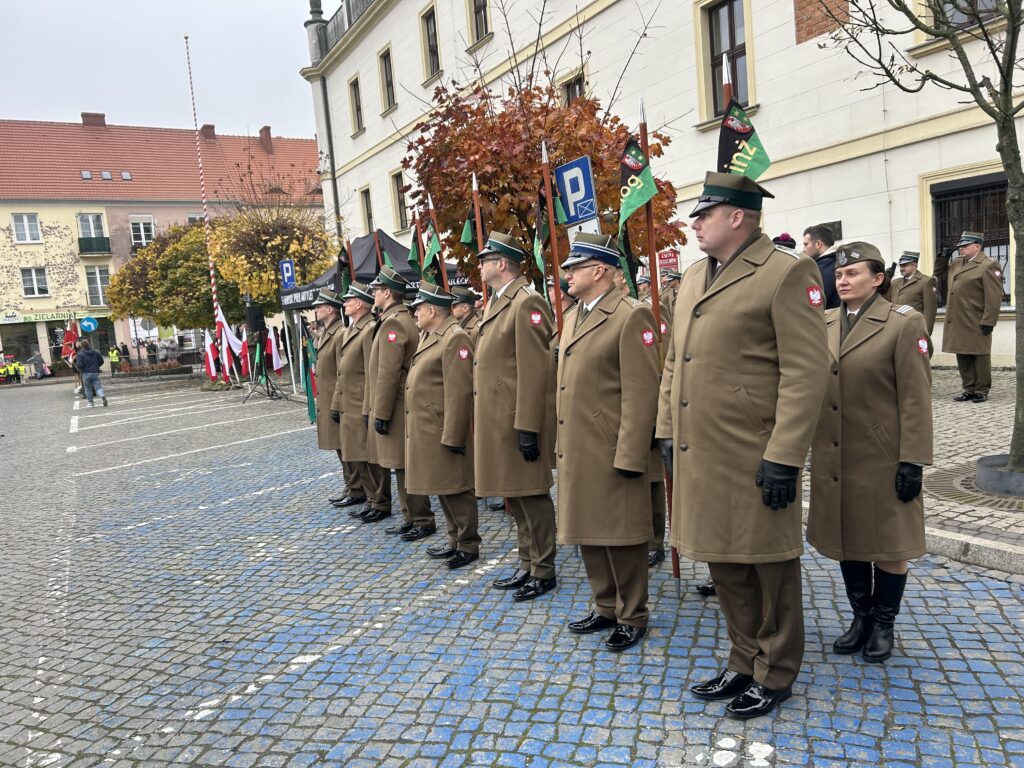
(271, 350)
(224, 332)
(210, 357)
(67, 350)
(225, 352)
(243, 355)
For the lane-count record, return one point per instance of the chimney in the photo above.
(265, 141)
(207, 131)
(94, 118)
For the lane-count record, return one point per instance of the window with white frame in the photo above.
(573, 89)
(26, 228)
(97, 279)
(481, 25)
(401, 211)
(387, 80)
(356, 104)
(193, 218)
(33, 281)
(90, 225)
(364, 197)
(142, 230)
(431, 49)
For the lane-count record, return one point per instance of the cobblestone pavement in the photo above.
(175, 590)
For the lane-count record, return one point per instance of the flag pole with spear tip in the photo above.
(419, 237)
(552, 235)
(441, 265)
(479, 229)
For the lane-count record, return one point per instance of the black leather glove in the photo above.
(908, 481)
(665, 448)
(777, 483)
(366, 421)
(986, 329)
(528, 446)
(380, 426)
(628, 473)
(336, 416)
(890, 271)
(456, 449)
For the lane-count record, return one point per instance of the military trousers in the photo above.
(415, 508)
(375, 482)
(353, 481)
(535, 533)
(975, 373)
(764, 616)
(462, 518)
(618, 579)
(657, 542)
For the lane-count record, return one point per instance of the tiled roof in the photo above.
(44, 161)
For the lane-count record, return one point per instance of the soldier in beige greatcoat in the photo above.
(438, 425)
(915, 289)
(607, 407)
(873, 437)
(395, 341)
(464, 310)
(327, 308)
(513, 449)
(742, 387)
(972, 311)
(349, 394)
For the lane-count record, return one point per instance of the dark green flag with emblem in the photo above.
(468, 238)
(740, 151)
(343, 278)
(431, 264)
(414, 252)
(636, 187)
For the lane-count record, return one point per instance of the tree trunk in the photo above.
(1009, 153)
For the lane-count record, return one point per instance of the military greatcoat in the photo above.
(975, 293)
(351, 388)
(328, 346)
(876, 413)
(917, 291)
(511, 374)
(744, 379)
(395, 341)
(471, 324)
(439, 407)
(607, 407)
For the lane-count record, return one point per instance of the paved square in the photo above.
(177, 591)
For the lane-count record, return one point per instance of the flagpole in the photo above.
(726, 81)
(351, 261)
(653, 266)
(479, 229)
(376, 245)
(419, 237)
(552, 235)
(437, 234)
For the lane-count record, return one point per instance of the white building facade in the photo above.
(902, 171)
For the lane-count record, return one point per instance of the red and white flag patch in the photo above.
(922, 345)
(464, 353)
(392, 336)
(535, 318)
(647, 337)
(814, 296)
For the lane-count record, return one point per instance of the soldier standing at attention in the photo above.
(513, 451)
(438, 425)
(327, 309)
(975, 293)
(394, 344)
(740, 395)
(348, 400)
(915, 289)
(669, 290)
(866, 459)
(607, 407)
(464, 310)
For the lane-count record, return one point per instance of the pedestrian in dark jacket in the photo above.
(819, 244)
(88, 362)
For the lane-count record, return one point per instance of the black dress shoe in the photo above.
(534, 588)
(375, 515)
(624, 636)
(595, 622)
(726, 685)
(399, 529)
(707, 589)
(518, 578)
(460, 559)
(442, 551)
(756, 701)
(979, 398)
(654, 557)
(496, 504)
(348, 501)
(418, 532)
(964, 397)
(359, 511)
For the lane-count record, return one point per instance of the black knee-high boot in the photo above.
(886, 601)
(857, 578)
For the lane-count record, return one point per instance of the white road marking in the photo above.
(76, 405)
(140, 419)
(188, 453)
(74, 448)
(74, 424)
(192, 403)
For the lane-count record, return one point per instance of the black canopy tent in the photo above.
(364, 256)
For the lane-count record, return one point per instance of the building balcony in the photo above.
(343, 19)
(93, 245)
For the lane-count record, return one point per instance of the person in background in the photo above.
(819, 244)
(115, 358)
(785, 240)
(89, 361)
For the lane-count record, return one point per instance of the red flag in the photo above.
(243, 353)
(225, 352)
(273, 356)
(210, 357)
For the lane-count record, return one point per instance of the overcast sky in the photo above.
(126, 58)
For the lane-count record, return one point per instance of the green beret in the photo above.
(433, 294)
(359, 291)
(730, 188)
(388, 278)
(500, 244)
(328, 297)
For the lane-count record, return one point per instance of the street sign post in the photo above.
(575, 182)
(287, 267)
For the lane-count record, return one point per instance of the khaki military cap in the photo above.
(910, 257)
(857, 252)
(970, 238)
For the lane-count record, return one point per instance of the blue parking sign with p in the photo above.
(287, 274)
(575, 182)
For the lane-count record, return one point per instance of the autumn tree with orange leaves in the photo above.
(499, 138)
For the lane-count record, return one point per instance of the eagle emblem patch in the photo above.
(814, 296)
(647, 337)
(922, 345)
(392, 336)
(464, 353)
(535, 318)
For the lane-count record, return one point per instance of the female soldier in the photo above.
(873, 437)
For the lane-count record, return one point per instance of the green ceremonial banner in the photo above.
(541, 231)
(430, 259)
(307, 379)
(468, 238)
(414, 252)
(740, 151)
(636, 187)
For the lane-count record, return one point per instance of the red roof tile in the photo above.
(44, 161)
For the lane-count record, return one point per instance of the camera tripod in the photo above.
(262, 383)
